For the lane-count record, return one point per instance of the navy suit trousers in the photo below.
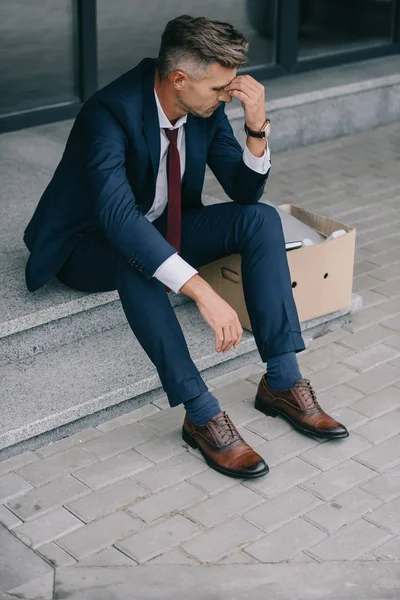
(208, 233)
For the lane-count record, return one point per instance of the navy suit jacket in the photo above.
(107, 175)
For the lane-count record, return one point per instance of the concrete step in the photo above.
(54, 388)
(107, 373)
(55, 315)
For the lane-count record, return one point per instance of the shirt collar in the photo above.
(163, 119)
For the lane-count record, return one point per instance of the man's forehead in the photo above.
(220, 77)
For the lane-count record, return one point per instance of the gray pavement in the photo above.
(129, 495)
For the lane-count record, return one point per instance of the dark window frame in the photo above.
(286, 51)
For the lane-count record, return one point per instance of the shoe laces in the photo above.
(226, 428)
(307, 393)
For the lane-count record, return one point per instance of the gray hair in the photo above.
(193, 43)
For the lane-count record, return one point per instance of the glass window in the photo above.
(331, 26)
(36, 49)
(129, 30)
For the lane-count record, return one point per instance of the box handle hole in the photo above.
(294, 284)
(326, 275)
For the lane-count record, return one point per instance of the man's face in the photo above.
(202, 98)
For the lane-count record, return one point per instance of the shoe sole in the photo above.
(271, 412)
(193, 444)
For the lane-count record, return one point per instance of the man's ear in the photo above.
(178, 79)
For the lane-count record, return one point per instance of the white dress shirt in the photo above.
(175, 272)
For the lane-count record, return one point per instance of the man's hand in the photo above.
(221, 317)
(252, 95)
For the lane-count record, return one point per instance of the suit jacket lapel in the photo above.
(196, 152)
(151, 125)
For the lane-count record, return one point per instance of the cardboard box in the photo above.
(321, 275)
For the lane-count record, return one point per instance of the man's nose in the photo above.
(224, 97)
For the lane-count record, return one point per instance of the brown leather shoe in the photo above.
(299, 406)
(223, 447)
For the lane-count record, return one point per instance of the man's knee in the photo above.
(263, 216)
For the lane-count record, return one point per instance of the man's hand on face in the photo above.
(252, 95)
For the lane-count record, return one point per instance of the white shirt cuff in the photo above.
(260, 164)
(174, 272)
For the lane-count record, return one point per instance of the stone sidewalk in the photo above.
(130, 493)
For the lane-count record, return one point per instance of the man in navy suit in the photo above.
(123, 211)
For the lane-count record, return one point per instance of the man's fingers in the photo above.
(219, 338)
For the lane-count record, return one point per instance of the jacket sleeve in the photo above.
(104, 144)
(225, 159)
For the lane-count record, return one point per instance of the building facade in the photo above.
(57, 53)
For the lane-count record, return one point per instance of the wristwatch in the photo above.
(262, 133)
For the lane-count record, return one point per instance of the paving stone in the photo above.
(162, 447)
(365, 282)
(249, 437)
(173, 557)
(111, 470)
(99, 534)
(165, 421)
(76, 439)
(375, 379)
(8, 519)
(106, 500)
(327, 339)
(339, 479)
(38, 501)
(390, 307)
(170, 472)
(170, 500)
(372, 357)
(275, 512)
(11, 486)
(158, 539)
(16, 462)
(286, 542)
(342, 510)
(361, 319)
(370, 336)
(393, 322)
(224, 505)
(110, 557)
(269, 428)
(383, 456)
(371, 298)
(378, 403)
(117, 441)
(47, 469)
(236, 392)
(325, 357)
(215, 543)
(333, 452)
(237, 558)
(47, 527)
(282, 478)
(55, 555)
(330, 376)
(302, 558)
(350, 418)
(131, 417)
(382, 428)
(237, 376)
(285, 447)
(391, 289)
(18, 563)
(396, 363)
(387, 516)
(212, 482)
(350, 542)
(394, 342)
(338, 396)
(243, 412)
(389, 551)
(385, 486)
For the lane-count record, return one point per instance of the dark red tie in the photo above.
(174, 191)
